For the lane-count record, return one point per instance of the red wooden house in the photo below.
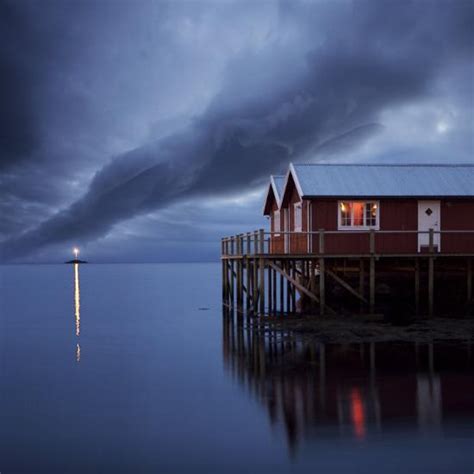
(398, 204)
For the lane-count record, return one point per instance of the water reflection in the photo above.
(77, 309)
(349, 390)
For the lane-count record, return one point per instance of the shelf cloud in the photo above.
(112, 114)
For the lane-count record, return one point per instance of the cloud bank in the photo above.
(315, 81)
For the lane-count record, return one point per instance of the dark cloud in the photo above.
(284, 100)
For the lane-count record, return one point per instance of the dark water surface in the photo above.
(132, 368)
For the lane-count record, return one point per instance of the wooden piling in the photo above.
(372, 272)
(469, 280)
(417, 286)
(262, 271)
(322, 275)
(431, 274)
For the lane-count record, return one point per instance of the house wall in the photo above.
(277, 243)
(457, 214)
(395, 214)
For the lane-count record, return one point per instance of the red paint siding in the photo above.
(395, 214)
(457, 215)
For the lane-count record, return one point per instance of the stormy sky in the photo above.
(146, 130)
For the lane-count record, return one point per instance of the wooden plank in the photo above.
(346, 285)
(282, 293)
(297, 285)
(372, 284)
(322, 287)
(361, 282)
(430, 286)
(417, 286)
(469, 280)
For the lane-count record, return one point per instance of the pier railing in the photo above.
(349, 242)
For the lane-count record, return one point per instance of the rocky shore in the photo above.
(355, 329)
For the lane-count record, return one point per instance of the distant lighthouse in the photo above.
(75, 251)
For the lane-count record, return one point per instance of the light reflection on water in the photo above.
(356, 391)
(77, 309)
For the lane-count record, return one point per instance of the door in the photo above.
(429, 217)
(286, 229)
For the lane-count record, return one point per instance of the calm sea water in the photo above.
(132, 368)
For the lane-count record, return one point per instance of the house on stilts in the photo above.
(347, 237)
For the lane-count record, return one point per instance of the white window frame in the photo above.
(298, 225)
(277, 219)
(358, 227)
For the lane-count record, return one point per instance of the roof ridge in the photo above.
(388, 165)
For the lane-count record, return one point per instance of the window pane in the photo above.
(371, 214)
(298, 217)
(358, 213)
(346, 213)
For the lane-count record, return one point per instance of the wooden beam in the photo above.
(417, 286)
(297, 285)
(469, 280)
(372, 284)
(346, 285)
(322, 275)
(430, 286)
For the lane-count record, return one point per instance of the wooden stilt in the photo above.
(361, 283)
(262, 272)
(430, 286)
(240, 293)
(469, 280)
(282, 291)
(288, 287)
(293, 287)
(372, 272)
(322, 275)
(248, 274)
(274, 299)
(417, 286)
(431, 274)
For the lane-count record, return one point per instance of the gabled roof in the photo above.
(276, 187)
(367, 180)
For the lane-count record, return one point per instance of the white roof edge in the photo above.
(277, 194)
(296, 180)
(272, 185)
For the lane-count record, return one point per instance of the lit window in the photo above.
(298, 217)
(276, 222)
(358, 215)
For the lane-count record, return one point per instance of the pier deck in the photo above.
(286, 272)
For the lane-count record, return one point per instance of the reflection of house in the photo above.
(349, 390)
(361, 197)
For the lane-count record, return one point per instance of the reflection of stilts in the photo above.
(77, 309)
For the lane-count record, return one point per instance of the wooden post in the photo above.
(262, 271)
(255, 273)
(282, 288)
(417, 286)
(239, 276)
(274, 302)
(288, 287)
(322, 282)
(293, 289)
(270, 289)
(247, 275)
(431, 274)
(469, 280)
(361, 282)
(372, 272)
(430, 285)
